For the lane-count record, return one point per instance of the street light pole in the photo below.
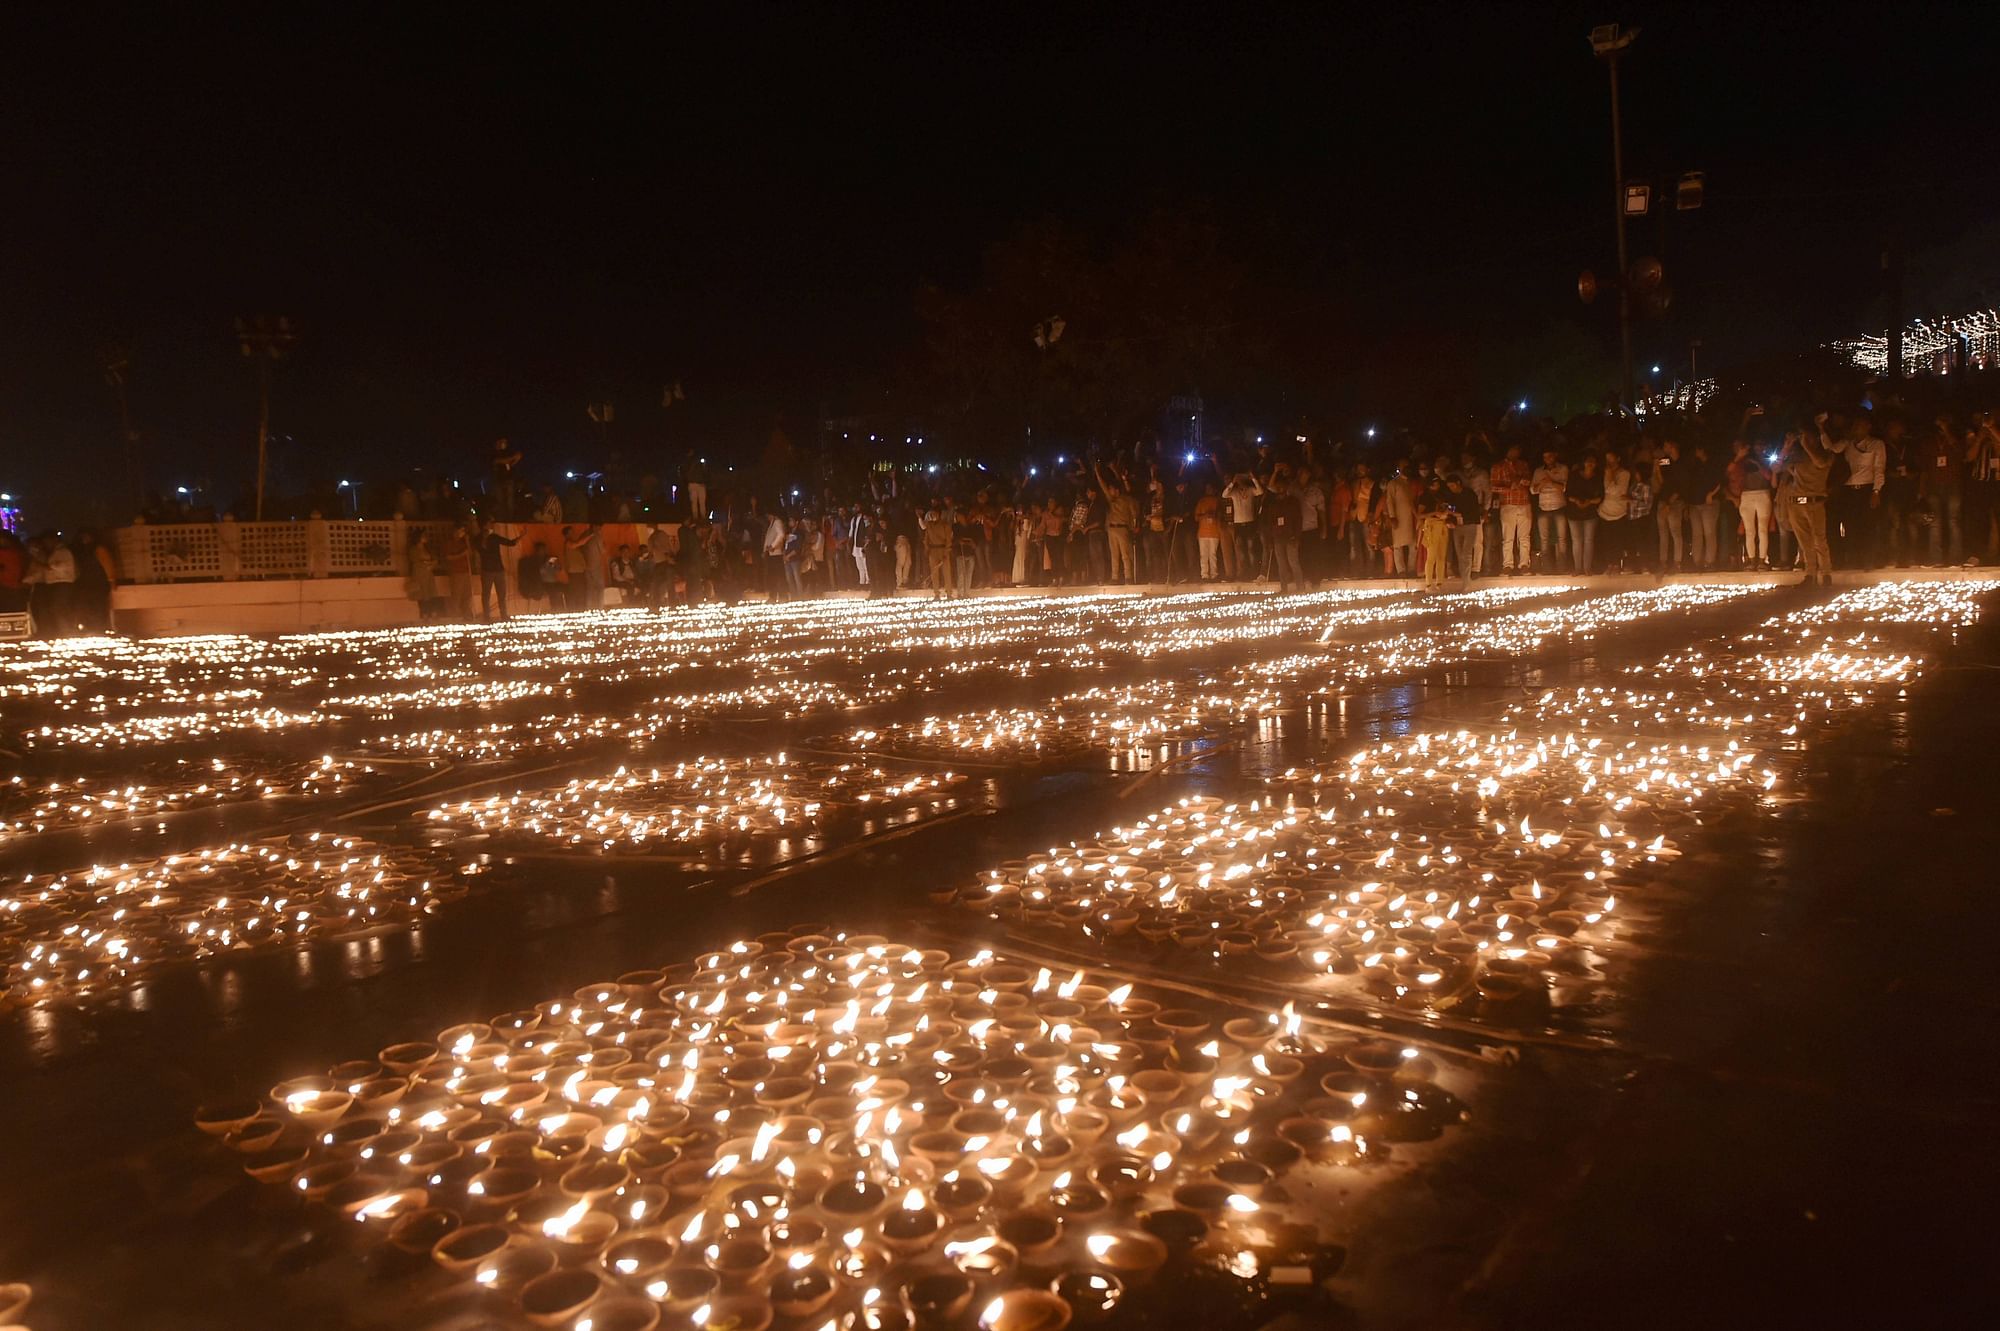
(264, 340)
(1609, 42)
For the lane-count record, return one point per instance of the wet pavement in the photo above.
(1774, 1104)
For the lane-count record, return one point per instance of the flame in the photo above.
(557, 1227)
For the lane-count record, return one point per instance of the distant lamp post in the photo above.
(116, 366)
(603, 413)
(264, 340)
(1610, 41)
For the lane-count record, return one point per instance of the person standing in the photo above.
(967, 533)
(1239, 549)
(1312, 526)
(859, 529)
(1054, 544)
(1750, 482)
(1810, 463)
(695, 470)
(423, 583)
(1434, 527)
(1900, 504)
(1478, 480)
(1705, 482)
(938, 538)
(1281, 510)
(1982, 482)
(1360, 514)
(458, 570)
(1860, 500)
(1462, 505)
(13, 569)
(96, 579)
(1399, 522)
(776, 533)
(1550, 482)
(505, 459)
(1121, 520)
(1208, 532)
(1510, 480)
(51, 579)
(1583, 493)
(1614, 511)
(492, 568)
(1153, 561)
(1670, 505)
(1944, 493)
(587, 568)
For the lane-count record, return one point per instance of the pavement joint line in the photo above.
(833, 854)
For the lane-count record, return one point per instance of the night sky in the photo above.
(484, 224)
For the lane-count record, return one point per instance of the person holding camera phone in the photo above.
(1808, 460)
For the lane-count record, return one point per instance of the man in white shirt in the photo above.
(1240, 553)
(1859, 502)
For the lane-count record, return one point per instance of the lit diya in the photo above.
(1025, 1310)
(961, 1195)
(802, 1288)
(982, 1255)
(911, 1226)
(1090, 1295)
(1131, 1255)
(1033, 1233)
(937, 1299)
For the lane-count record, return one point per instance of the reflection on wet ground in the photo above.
(1402, 878)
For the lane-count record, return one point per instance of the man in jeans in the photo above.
(1942, 464)
(1466, 538)
(1241, 496)
(1281, 508)
(1670, 505)
(1550, 483)
(1510, 492)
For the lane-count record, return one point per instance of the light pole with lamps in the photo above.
(1609, 41)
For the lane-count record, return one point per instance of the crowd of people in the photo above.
(1823, 491)
(63, 584)
(1845, 489)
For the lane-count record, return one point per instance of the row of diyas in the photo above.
(27, 807)
(835, 1128)
(702, 802)
(152, 691)
(1120, 720)
(889, 655)
(72, 934)
(1457, 861)
(67, 932)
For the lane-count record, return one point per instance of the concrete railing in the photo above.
(229, 551)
